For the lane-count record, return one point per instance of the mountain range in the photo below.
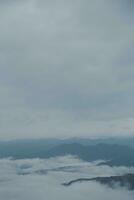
(114, 152)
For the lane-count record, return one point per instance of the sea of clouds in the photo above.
(41, 179)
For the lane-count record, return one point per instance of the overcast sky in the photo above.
(66, 68)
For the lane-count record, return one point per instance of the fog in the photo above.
(42, 179)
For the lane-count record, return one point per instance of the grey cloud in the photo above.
(73, 58)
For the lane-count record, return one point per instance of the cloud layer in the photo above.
(66, 68)
(14, 185)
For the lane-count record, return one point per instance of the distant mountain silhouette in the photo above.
(113, 154)
(116, 155)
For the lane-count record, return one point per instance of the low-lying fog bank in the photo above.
(42, 179)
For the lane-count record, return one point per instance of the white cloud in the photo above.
(48, 186)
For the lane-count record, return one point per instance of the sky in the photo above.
(66, 68)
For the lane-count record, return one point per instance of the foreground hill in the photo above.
(112, 181)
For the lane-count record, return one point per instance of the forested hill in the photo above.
(112, 181)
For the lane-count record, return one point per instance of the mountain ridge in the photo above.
(126, 180)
